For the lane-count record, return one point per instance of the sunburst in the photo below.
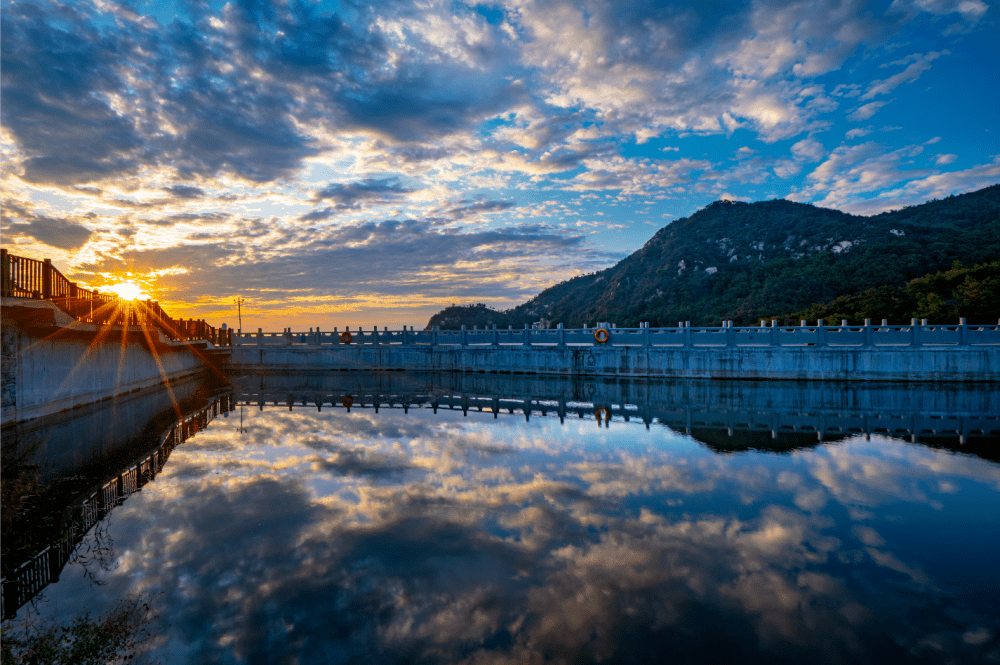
(127, 290)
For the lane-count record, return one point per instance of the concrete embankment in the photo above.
(867, 363)
(52, 363)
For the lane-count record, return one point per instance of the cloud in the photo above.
(635, 177)
(866, 111)
(333, 269)
(865, 180)
(185, 191)
(809, 150)
(51, 231)
(942, 160)
(911, 73)
(971, 10)
(941, 185)
(294, 117)
(351, 195)
(857, 132)
(478, 208)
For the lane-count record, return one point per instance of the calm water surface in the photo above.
(306, 535)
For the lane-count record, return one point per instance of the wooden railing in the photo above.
(40, 280)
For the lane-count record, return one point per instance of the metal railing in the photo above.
(681, 337)
(40, 280)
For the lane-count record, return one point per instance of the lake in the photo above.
(394, 517)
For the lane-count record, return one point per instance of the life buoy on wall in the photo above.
(602, 411)
(348, 402)
(346, 337)
(602, 335)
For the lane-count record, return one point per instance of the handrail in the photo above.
(22, 277)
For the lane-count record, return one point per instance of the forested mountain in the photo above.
(748, 261)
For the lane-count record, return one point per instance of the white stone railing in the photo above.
(682, 336)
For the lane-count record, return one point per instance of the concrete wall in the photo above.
(51, 363)
(889, 363)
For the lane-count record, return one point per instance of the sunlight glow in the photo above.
(128, 291)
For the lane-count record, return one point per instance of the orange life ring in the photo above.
(605, 410)
(346, 337)
(602, 339)
(348, 402)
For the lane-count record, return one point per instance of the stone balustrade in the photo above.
(683, 336)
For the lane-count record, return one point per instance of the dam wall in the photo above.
(831, 363)
(52, 363)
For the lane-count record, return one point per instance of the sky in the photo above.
(340, 163)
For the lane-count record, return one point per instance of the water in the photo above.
(720, 522)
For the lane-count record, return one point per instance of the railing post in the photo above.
(820, 333)
(774, 332)
(562, 335)
(527, 333)
(405, 336)
(375, 336)
(646, 341)
(496, 338)
(868, 332)
(260, 338)
(47, 279)
(961, 331)
(5, 276)
(465, 337)
(687, 334)
(434, 336)
(914, 341)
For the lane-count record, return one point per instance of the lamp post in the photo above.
(239, 310)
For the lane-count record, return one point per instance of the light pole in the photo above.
(239, 310)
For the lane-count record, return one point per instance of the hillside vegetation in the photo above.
(779, 259)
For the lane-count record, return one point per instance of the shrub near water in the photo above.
(119, 636)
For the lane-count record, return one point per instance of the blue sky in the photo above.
(346, 163)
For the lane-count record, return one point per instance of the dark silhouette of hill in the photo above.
(747, 261)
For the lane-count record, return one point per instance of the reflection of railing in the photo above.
(682, 337)
(43, 568)
(818, 422)
(40, 280)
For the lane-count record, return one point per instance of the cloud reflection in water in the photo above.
(336, 537)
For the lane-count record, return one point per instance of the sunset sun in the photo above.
(128, 291)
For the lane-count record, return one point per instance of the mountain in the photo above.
(747, 261)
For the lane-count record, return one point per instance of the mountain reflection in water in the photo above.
(296, 530)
